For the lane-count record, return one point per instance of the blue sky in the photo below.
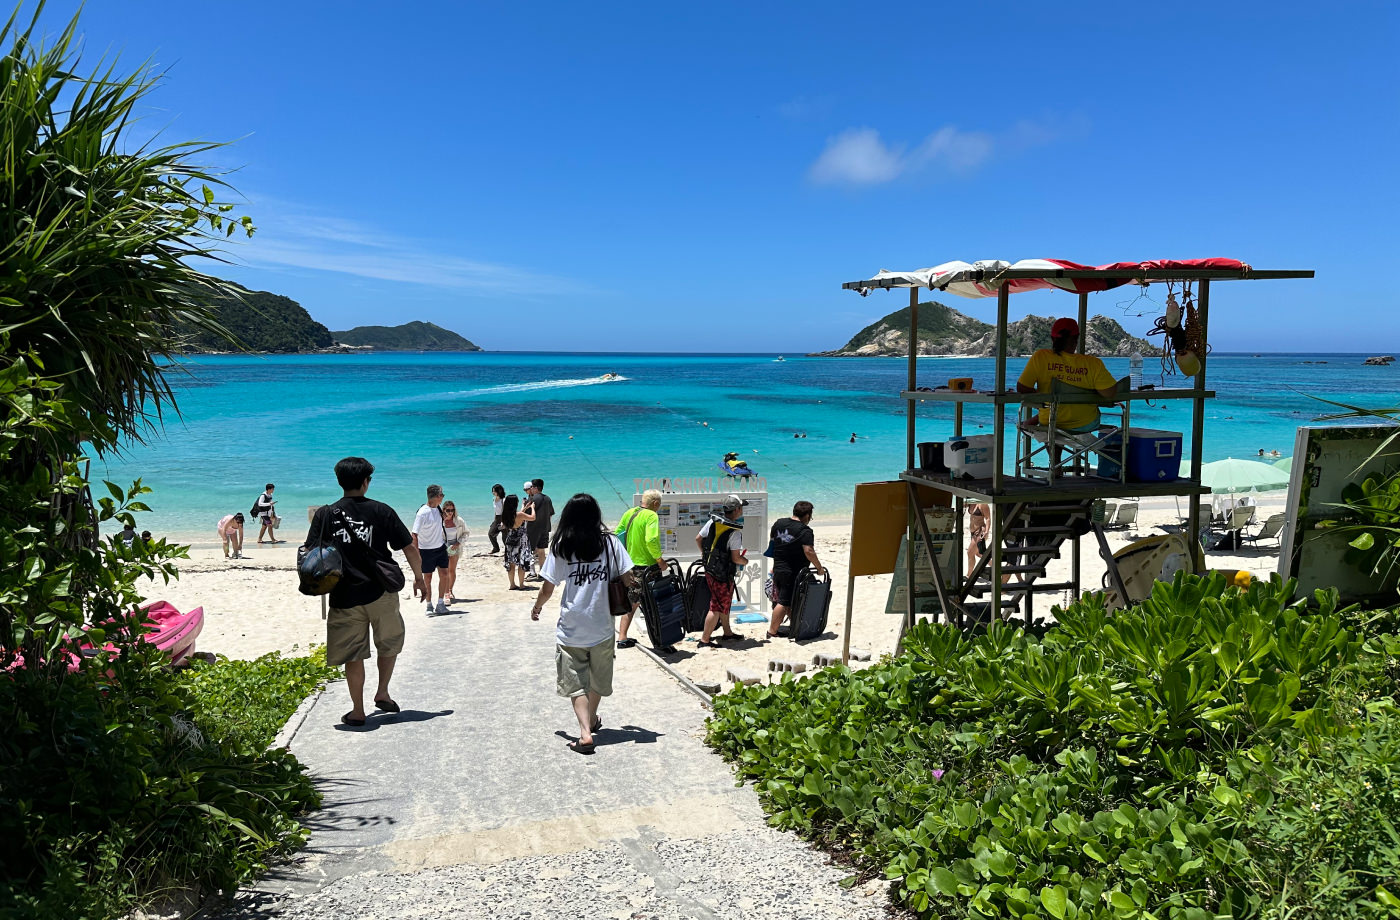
(704, 177)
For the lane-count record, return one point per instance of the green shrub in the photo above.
(243, 704)
(1157, 762)
(121, 781)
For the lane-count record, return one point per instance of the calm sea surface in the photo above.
(469, 420)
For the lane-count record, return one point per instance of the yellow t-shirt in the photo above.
(1084, 371)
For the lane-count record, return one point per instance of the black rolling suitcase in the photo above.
(811, 602)
(663, 604)
(697, 597)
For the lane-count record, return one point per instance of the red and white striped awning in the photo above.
(981, 279)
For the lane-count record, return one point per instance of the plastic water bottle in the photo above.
(1135, 371)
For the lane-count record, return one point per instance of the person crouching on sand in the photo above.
(230, 530)
(583, 557)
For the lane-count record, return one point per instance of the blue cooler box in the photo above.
(1153, 456)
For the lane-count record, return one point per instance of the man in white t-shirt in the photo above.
(431, 543)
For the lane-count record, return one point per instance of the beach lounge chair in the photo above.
(1273, 526)
(1240, 516)
(1055, 442)
(1126, 518)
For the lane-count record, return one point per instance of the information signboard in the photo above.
(683, 514)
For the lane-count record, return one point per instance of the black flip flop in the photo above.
(597, 724)
(626, 643)
(386, 705)
(578, 747)
(707, 644)
(349, 719)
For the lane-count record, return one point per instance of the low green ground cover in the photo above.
(125, 780)
(1212, 752)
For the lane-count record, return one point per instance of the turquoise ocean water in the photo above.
(469, 420)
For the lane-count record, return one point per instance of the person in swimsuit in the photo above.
(978, 525)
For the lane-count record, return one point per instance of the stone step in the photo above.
(780, 665)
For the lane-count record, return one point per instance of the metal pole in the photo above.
(999, 421)
(911, 405)
(999, 433)
(1198, 419)
(1083, 320)
(850, 601)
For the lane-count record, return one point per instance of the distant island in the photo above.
(261, 321)
(945, 331)
(414, 336)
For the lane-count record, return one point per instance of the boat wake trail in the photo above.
(532, 386)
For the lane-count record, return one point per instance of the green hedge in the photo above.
(125, 780)
(1212, 752)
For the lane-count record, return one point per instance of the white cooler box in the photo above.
(971, 457)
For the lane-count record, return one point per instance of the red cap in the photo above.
(1064, 326)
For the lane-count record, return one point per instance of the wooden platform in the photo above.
(1016, 489)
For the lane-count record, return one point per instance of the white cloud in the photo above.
(859, 156)
(954, 150)
(290, 236)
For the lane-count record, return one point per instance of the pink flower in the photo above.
(937, 775)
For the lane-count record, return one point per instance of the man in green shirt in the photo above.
(640, 530)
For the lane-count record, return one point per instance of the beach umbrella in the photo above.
(1285, 465)
(1233, 475)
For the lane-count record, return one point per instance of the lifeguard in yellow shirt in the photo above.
(1060, 362)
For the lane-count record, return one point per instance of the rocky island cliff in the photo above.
(945, 331)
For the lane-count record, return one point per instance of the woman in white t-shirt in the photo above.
(583, 556)
(455, 533)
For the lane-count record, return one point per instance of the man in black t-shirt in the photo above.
(793, 550)
(538, 529)
(359, 604)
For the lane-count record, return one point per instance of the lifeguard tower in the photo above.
(1043, 502)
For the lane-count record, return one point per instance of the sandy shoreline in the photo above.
(252, 605)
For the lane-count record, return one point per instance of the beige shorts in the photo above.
(579, 670)
(348, 630)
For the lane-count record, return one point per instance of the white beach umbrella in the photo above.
(1233, 475)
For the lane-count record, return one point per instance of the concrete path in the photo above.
(468, 803)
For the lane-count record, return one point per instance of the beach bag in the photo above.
(619, 601)
(770, 589)
(320, 566)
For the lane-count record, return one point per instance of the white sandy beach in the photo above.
(252, 605)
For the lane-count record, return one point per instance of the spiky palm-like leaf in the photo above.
(99, 234)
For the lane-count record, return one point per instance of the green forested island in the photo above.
(265, 322)
(416, 336)
(261, 321)
(945, 331)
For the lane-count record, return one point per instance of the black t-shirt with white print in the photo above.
(379, 526)
(789, 536)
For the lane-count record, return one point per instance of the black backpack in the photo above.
(719, 564)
